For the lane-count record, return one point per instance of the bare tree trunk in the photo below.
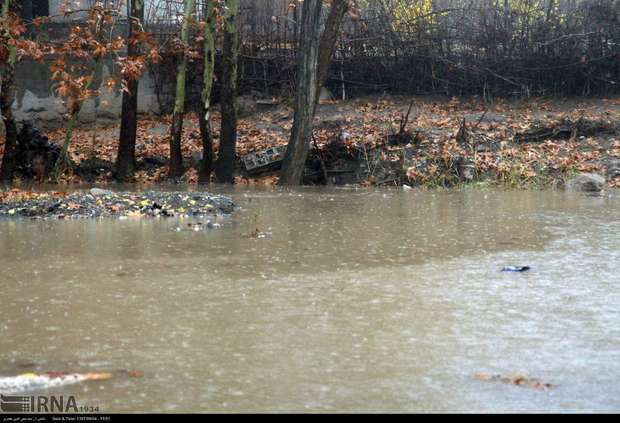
(26, 11)
(64, 163)
(7, 96)
(176, 156)
(225, 166)
(126, 156)
(328, 40)
(64, 160)
(206, 165)
(314, 56)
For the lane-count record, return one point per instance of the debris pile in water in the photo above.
(516, 380)
(104, 203)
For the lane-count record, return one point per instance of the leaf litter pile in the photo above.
(103, 203)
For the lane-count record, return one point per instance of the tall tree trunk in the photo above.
(328, 41)
(225, 165)
(176, 157)
(26, 11)
(206, 165)
(5, 7)
(126, 156)
(63, 163)
(306, 95)
(7, 95)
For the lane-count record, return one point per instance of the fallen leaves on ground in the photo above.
(366, 123)
(16, 195)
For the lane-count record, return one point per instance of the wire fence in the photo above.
(485, 47)
(452, 47)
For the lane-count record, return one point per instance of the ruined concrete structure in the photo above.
(35, 98)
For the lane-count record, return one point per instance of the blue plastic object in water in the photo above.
(515, 268)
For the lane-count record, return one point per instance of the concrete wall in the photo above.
(56, 5)
(35, 99)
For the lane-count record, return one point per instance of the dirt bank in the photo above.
(531, 143)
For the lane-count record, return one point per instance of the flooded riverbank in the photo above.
(325, 300)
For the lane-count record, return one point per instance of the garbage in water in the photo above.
(32, 381)
(198, 226)
(264, 160)
(516, 269)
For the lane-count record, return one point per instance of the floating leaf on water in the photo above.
(518, 380)
(542, 386)
(135, 373)
(486, 376)
(98, 376)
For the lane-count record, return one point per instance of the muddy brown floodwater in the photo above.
(348, 300)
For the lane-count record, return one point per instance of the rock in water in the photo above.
(97, 192)
(613, 169)
(586, 182)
